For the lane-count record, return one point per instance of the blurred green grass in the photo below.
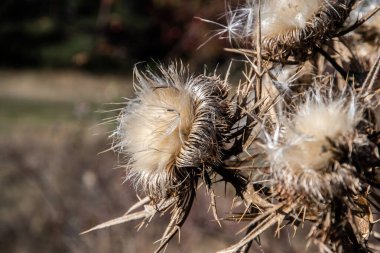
(44, 98)
(13, 109)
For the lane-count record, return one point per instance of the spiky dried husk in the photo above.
(176, 123)
(288, 28)
(344, 226)
(331, 177)
(307, 152)
(300, 42)
(341, 221)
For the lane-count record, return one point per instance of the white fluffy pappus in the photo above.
(288, 27)
(277, 16)
(175, 122)
(283, 15)
(304, 158)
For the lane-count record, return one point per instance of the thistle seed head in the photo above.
(305, 160)
(176, 123)
(288, 27)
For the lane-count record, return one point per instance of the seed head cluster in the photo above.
(298, 139)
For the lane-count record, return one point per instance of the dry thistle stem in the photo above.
(288, 27)
(176, 123)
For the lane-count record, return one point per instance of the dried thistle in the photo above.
(322, 168)
(304, 153)
(294, 152)
(175, 124)
(171, 134)
(288, 28)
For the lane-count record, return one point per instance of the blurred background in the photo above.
(106, 35)
(63, 66)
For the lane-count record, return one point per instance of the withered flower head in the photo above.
(288, 27)
(306, 157)
(176, 123)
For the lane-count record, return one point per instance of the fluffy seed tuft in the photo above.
(288, 27)
(305, 160)
(175, 123)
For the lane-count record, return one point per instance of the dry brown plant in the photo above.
(298, 144)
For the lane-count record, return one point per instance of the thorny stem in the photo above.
(358, 23)
(179, 215)
(250, 52)
(238, 181)
(258, 45)
(258, 74)
(341, 71)
(246, 247)
(372, 75)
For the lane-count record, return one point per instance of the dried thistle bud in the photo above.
(176, 123)
(288, 27)
(307, 158)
